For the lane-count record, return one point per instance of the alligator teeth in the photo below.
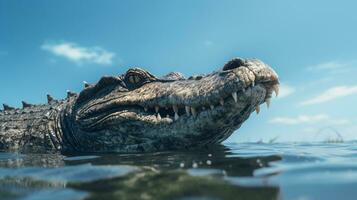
(257, 109)
(158, 117)
(234, 95)
(253, 83)
(187, 109)
(175, 108)
(268, 102)
(193, 111)
(146, 109)
(211, 106)
(156, 109)
(221, 101)
(276, 89)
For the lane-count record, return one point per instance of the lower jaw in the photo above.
(251, 98)
(208, 128)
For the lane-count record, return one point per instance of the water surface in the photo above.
(233, 171)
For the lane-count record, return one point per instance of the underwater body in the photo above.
(230, 171)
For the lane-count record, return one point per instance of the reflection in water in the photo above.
(164, 175)
(28, 188)
(235, 171)
(153, 184)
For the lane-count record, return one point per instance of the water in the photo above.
(235, 171)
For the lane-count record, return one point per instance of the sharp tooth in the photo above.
(175, 108)
(253, 83)
(221, 101)
(268, 102)
(234, 95)
(193, 111)
(276, 89)
(176, 112)
(211, 106)
(146, 109)
(158, 117)
(156, 109)
(187, 108)
(257, 109)
(168, 116)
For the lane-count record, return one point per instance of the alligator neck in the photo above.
(32, 129)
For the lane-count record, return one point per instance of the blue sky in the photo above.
(52, 46)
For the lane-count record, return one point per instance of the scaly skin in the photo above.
(138, 112)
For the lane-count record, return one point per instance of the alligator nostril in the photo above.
(199, 77)
(234, 63)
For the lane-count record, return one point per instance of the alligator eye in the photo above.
(134, 79)
(137, 77)
(131, 79)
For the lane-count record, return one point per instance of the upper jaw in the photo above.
(255, 82)
(215, 87)
(191, 96)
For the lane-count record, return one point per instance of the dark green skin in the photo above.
(139, 112)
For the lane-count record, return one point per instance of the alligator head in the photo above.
(138, 111)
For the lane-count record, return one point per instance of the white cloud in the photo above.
(340, 121)
(285, 90)
(299, 119)
(331, 94)
(308, 119)
(328, 65)
(79, 54)
(334, 66)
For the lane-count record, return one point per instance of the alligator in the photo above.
(140, 112)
